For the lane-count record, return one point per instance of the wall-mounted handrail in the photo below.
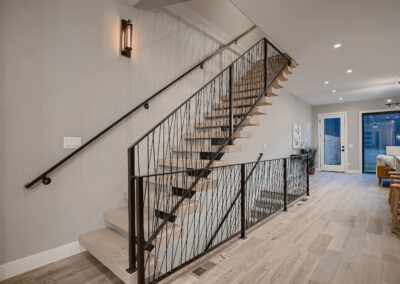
(44, 176)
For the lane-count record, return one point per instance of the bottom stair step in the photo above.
(112, 250)
(119, 218)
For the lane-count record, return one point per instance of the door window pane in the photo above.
(380, 130)
(332, 154)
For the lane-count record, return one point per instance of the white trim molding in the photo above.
(19, 266)
(344, 137)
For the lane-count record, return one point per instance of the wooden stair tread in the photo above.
(184, 181)
(236, 112)
(112, 251)
(249, 95)
(248, 89)
(207, 148)
(216, 134)
(244, 81)
(276, 85)
(245, 102)
(248, 121)
(287, 70)
(191, 164)
(166, 203)
(119, 217)
(282, 77)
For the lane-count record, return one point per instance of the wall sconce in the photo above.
(126, 38)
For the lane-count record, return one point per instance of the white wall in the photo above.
(62, 75)
(276, 129)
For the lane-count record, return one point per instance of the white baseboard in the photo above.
(347, 171)
(16, 267)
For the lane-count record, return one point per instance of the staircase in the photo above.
(182, 195)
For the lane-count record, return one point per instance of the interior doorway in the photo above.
(332, 139)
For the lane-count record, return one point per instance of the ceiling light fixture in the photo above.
(326, 82)
(333, 91)
(337, 45)
(349, 71)
(340, 99)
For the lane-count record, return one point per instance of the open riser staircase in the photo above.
(184, 197)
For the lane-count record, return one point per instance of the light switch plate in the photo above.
(72, 142)
(350, 145)
(265, 145)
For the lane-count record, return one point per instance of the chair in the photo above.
(394, 179)
(395, 204)
(383, 172)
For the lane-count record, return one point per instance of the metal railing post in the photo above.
(265, 66)
(140, 230)
(243, 200)
(131, 211)
(231, 105)
(285, 184)
(308, 178)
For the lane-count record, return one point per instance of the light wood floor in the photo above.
(340, 235)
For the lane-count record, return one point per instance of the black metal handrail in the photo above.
(44, 176)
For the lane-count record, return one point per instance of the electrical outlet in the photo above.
(72, 142)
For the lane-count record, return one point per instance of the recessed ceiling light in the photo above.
(337, 45)
(326, 82)
(349, 71)
(333, 91)
(340, 99)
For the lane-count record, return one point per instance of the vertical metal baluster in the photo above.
(243, 199)
(131, 211)
(265, 66)
(285, 184)
(231, 105)
(140, 230)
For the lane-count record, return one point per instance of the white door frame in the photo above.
(344, 137)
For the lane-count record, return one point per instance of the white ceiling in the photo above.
(369, 31)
